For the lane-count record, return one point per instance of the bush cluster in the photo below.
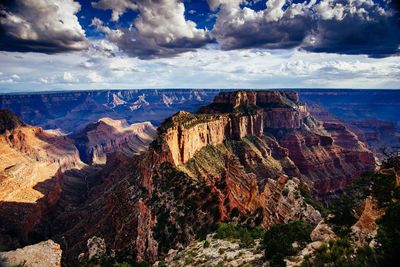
(244, 234)
(283, 240)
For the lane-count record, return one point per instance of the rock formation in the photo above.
(231, 160)
(245, 157)
(43, 254)
(99, 139)
(327, 154)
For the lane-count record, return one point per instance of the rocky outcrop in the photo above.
(216, 252)
(43, 254)
(8, 121)
(187, 133)
(106, 136)
(366, 227)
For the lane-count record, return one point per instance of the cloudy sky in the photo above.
(69, 44)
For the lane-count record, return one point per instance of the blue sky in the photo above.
(72, 45)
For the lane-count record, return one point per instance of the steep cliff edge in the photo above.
(182, 135)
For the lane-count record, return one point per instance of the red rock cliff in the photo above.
(187, 133)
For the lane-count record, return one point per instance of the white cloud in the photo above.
(172, 34)
(41, 26)
(204, 68)
(94, 77)
(331, 26)
(118, 7)
(68, 77)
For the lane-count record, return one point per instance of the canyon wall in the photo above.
(328, 154)
(188, 133)
(106, 136)
(32, 162)
(230, 161)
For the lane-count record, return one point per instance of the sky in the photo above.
(122, 44)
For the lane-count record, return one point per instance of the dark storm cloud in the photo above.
(40, 26)
(333, 26)
(358, 28)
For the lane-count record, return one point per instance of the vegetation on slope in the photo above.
(344, 252)
(284, 240)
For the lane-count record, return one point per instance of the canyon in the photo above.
(40, 170)
(71, 112)
(138, 192)
(230, 160)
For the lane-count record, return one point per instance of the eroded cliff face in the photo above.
(202, 169)
(107, 135)
(187, 133)
(31, 166)
(328, 155)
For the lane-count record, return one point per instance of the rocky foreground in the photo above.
(43, 254)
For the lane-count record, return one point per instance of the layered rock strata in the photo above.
(107, 135)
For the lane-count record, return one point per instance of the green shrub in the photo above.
(383, 187)
(206, 244)
(279, 238)
(244, 234)
(389, 236)
(341, 253)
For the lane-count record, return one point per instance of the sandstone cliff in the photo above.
(184, 134)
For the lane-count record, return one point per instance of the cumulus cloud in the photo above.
(334, 26)
(118, 7)
(41, 26)
(271, 28)
(160, 30)
(354, 27)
